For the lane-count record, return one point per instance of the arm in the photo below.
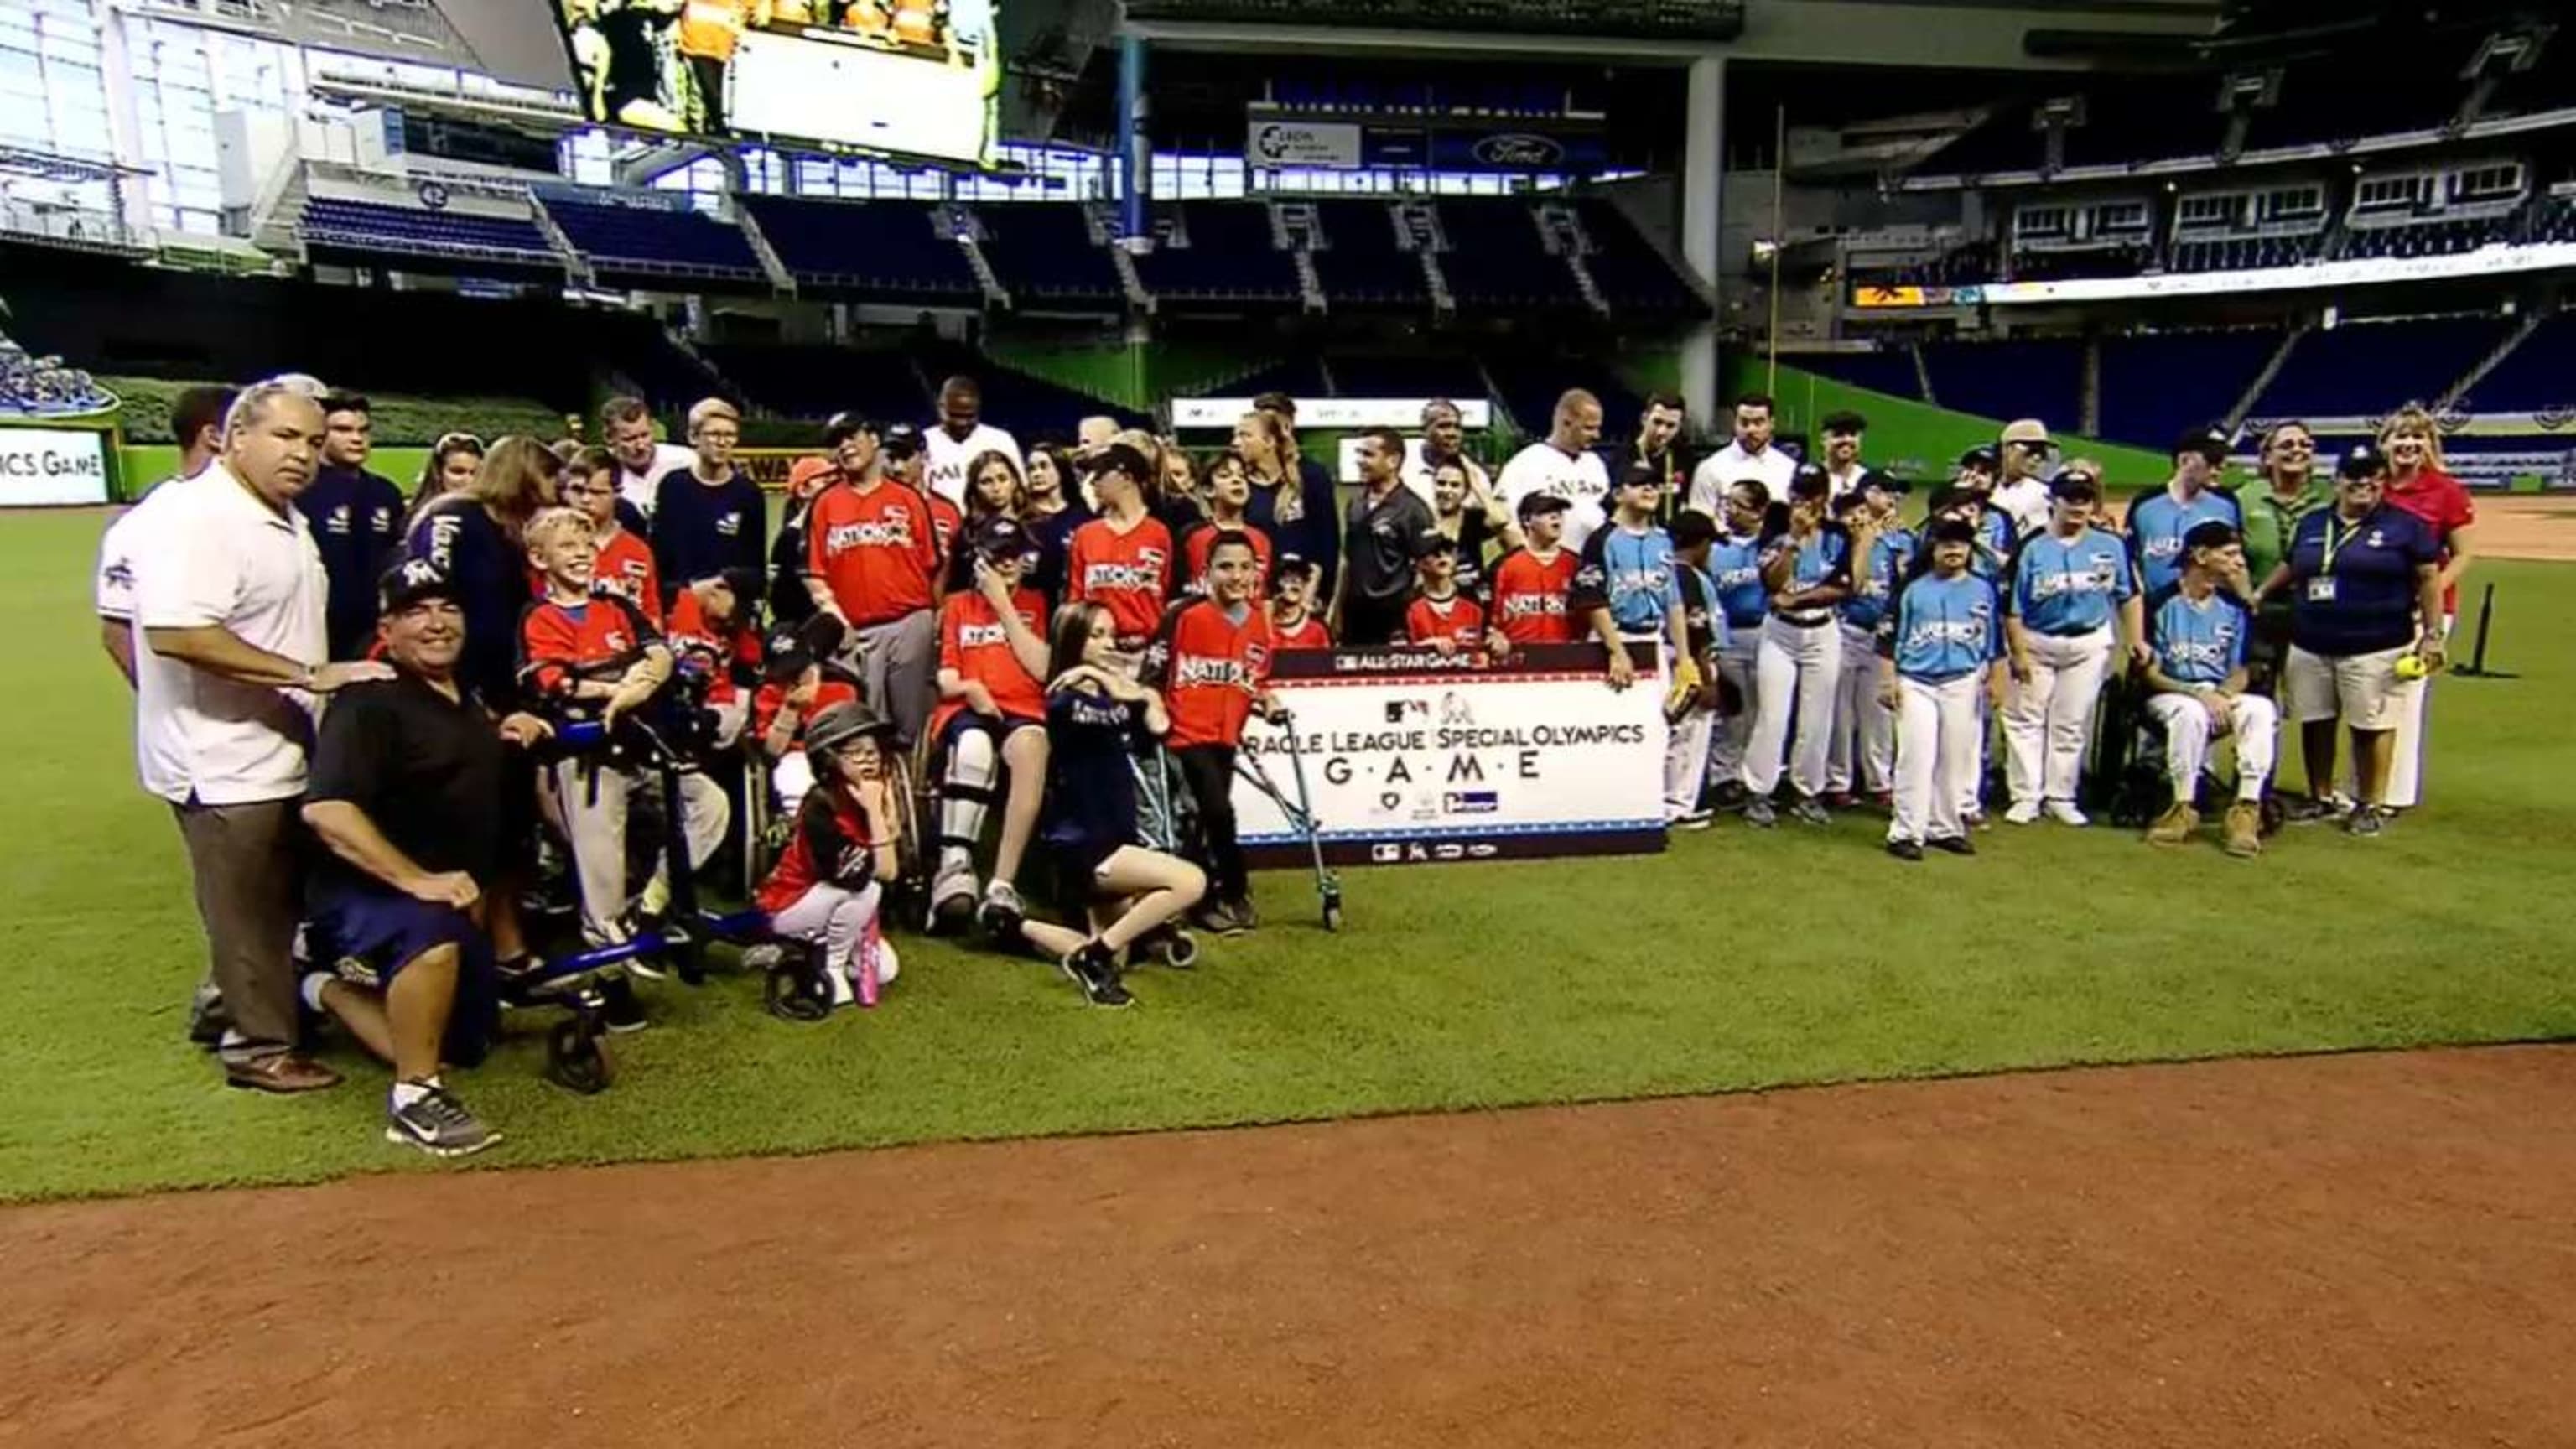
(2133, 628)
(1623, 670)
(354, 838)
(2428, 607)
(643, 677)
(219, 651)
(116, 636)
(2276, 581)
(2017, 646)
(2463, 543)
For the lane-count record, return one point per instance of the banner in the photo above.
(1474, 413)
(1334, 145)
(1413, 757)
(52, 466)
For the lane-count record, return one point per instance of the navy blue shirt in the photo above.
(2070, 586)
(1053, 536)
(2197, 643)
(491, 575)
(700, 530)
(2352, 588)
(357, 522)
(1940, 629)
(1316, 537)
(1091, 791)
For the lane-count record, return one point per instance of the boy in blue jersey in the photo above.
(1862, 755)
(1694, 717)
(2198, 633)
(2066, 585)
(1807, 569)
(2158, 521)
(1625, 583)
(1735, 566)
(1940, 645)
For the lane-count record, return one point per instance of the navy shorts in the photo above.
(367, 937)
(967, 719)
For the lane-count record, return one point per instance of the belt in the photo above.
(2072, 633)
(1794, 622)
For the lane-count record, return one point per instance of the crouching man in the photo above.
(407, 793)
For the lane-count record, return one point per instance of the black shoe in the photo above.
(619, 1011)
(2307, 810)
(1728, 796)
(438, 1124)
(2366, 820)
(1905, 849)
(1807, 810)
(1094, 969)
(1758, 812)
(1954, 844)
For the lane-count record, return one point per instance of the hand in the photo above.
(1267, 705)
(2140, 654)
(2020, 670)
(2215, 701)
(1444, 647)
(1074, 676)
(1889, 697)
(446, 888)
(525, 729)
(1623, 670)
(979, 699)
(990, 583)
(1996, 697)
(801, 698)
(326, 678)
(1499, 646)
(2432, 649)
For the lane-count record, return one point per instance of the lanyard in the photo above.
(2334, 544)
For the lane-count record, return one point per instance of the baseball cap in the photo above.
(835, 725)
(843, 426)
(1981, 456)
(902, 441)
(1431, 543)
(1641, 475)
(2027, 431)
(1954, 530)
(2074, 488)
(787, 653)
(1120, 458)
(804, 471)
(2209, 441)
(745, 583)
(1885, 482)
(2361, 460)
(1843, 422)
(1292, 563)
(999, 537)
(1845, 504)
(410, 582)
(1810, 481)
(1534, 504)
(2211, 533)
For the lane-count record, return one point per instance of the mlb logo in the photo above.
(1385, 854)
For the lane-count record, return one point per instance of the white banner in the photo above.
(52, 466)
(2485, 261)
(1474, 414)
(1449, 762)
(818, 86)
(1330, 144)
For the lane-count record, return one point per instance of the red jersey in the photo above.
(973, 642)
(624, 569)
(770, 698)
(877, 551)
(1456, 618)
(562, 645)
(2444, 504)
(1307, 633)
(829, 846)
(1211, 667)
(697, 641)
(1531, 600)
(1130, 573)
(1202, 542)
(946, 521)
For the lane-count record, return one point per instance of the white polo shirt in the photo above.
(2025, 501)
(218, 555)
(1731, 465)
(637, 488)
(1582, 480)
(946, 458)
(116, 548)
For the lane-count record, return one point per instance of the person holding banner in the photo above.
(1212, 657)
(1626, 584)
(1533, 585)
(1807, 570)
(1942, 634)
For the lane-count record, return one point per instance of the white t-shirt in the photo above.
(1731, 465)
(1582, 480)
(947, 458)
(2025, 501)
(637, 488)
(117, 548)
(220, 556)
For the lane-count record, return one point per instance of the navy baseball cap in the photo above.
(902, 441)
(1120, 458)
(2212, 533)
(999, 537)
(411, 582)
(1431, 543)
(2075, 487)
(2211, 442)
(844, 426)
(1885, 482)
(787, 652)
(1981, 456)
(2361, 461)
(1954, 530)
(1534, 504)
(1810, 481)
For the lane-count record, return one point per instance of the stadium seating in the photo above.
(2241, 253)
(2537, 376)
(816, 381)
(2555, 221)
(1497, 258)
(649, 242)
(1364, 267)
(1374, 374)
(1634, 278)
(2366, 368)
(2156, 386)
(2041, 378)
(1890, 370)
(338, 229)
(1044, 255)
(1230, 257)
(875, 250)
(2426, 238)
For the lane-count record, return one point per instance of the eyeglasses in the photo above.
(2027, 446)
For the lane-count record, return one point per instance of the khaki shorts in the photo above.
(2363, 688)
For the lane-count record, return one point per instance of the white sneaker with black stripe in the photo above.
(436, 1123)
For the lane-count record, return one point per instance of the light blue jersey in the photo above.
(1632, 573)
(2198, 643)
(1939, 629)
(2157, 524)
(2070, 586)
(1890, 555)
(1736, 564)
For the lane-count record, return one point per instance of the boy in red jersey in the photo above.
(1212, 656)
(1293, 624)
(1440, 618)
(1123, 559)
(872, 561)
(1229, 495)
(1534, 584)
(710, 634)
(625, 562)
(586, 656)
(992, 710)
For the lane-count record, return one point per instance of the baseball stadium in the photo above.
(1302, 722)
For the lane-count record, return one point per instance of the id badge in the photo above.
(2321, 591)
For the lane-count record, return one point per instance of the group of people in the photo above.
(1045, 628)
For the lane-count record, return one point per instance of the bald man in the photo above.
(1563, 465)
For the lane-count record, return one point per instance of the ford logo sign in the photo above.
(1518, 149)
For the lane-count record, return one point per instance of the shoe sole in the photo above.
(1084, 987)
(625, 1028)
(400, 1138)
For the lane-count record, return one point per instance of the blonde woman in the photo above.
(2419, 484)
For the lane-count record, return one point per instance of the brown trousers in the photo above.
(250, 893)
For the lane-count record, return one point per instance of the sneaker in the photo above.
(1690, 820)
(2175, 825)
(1952, 844)
(952, 896)
(1905, 849)
(1840, 800)
(1217, 918)
(2308, 809)
(1002, 911)
(1806, 810)
(619, 1011)
(1758, 812)
(208, 1017)
(2366, 820)
(2244, 829)
(1093, 970)
(2023, 812)
(439, 1125)
(1244, 913)
(2065, 813)
(1975, 820)
(1729, 796)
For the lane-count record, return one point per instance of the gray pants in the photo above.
(898, 666)
(249, 894)
(592, 799)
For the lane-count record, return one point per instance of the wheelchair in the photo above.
(2129, 766)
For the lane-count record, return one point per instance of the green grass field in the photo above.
(1739, 960)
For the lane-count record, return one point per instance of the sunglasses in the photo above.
(2030, 447)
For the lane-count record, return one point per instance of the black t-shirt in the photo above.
(427, 770)
(701, 529)
(1377, 548)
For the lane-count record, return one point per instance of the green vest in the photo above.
(2270, 524)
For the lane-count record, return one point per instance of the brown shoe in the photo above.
(2244, 829)
(2175, 825)
(284, 1074)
